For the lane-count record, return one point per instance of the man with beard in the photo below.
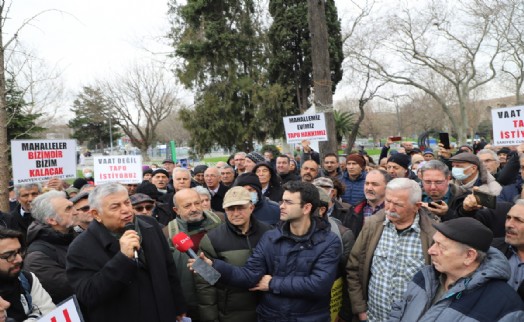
(195, 222)
(309, 171)
(48, 238)
(27, 299)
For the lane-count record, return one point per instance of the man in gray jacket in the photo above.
(467, 281)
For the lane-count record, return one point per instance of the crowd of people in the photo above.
(294, 238)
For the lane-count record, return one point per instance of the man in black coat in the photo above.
(119, 274)
(216, 188)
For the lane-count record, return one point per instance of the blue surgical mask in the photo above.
(254, 197)
(458, 173)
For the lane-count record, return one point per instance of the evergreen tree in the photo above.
(20, 125)
(91, 121)
(223, 45)
(290, 60)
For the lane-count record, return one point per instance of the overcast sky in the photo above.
(92, 39)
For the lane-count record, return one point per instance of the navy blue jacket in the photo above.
(303, 270)
(354, 188)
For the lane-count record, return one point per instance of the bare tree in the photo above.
(446, 42)
(171, 128)
(139, 100)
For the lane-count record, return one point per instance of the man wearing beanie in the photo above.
(354, 179)
(266, 211)
(467, 280)
(252, 159)
(398, 167)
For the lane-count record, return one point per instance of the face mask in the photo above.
(458, 173)
(254, 197)
(88, 175)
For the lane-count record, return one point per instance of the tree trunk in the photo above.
(352, 137)
(323, 97)
(4, 145)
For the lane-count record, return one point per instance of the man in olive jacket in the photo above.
(390, 249)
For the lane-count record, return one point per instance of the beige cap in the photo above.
(236, 196)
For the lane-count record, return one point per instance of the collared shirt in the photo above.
(369, 210)
(517, 270)
(397, 258)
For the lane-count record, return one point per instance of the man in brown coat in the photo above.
(390, 249)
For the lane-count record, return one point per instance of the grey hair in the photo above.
(241, 153)
(102, 191)
(228, 167)
(27, 186)
(481, 255)
(184, 170)
(415, 192)
(490, 152)
(435, 165)
(42, 207)
(202, 191)
(519, 202)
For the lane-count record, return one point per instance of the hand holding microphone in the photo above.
(183, 243)
(130, 241)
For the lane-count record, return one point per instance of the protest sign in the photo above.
(67, 311)
(39, 160)
(310, 127)
(118, 168)
(508, 125)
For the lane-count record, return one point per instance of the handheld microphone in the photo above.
(183, 243)
(131, 226)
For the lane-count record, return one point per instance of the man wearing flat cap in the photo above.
(469, 172)
(466, 281)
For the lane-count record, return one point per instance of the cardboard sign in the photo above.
(39, 160)
(67, 311)
(310, 127)
(118, 168)
(508, 125)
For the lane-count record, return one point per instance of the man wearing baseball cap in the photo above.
(466, 281)
(232, 242)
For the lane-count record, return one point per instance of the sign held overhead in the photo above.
(301, 127)
(508, 125)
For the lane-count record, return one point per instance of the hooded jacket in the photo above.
(46, 257)
(484, 296)
(274, 189)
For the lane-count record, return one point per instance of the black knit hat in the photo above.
(467, 231)
(255, 157)
(79, 183)
(157, 171)
(149, 189)
(248, 179)
(201, 168)
(401, 159)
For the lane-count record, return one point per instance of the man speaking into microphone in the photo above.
(121, 267)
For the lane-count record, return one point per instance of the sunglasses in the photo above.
(83, 209)
(141, 208)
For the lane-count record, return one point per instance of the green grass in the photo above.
(215, 159)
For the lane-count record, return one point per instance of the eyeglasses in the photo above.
(141, 208)
(289, 202)
(84, 208)
(11, 256)
(436, 183)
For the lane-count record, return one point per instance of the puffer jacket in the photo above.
(46, 258)
(354, 188)
(221, 302)
(185, 276)
(485, 296)
(303, 269)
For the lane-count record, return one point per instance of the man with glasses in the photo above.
(216, 188)
(440, 196)
(490, 160)
(22, 290)
(49, 237)
(234, 243)
(142, 204)
(81, 215)
(293, 266)
(240, 160)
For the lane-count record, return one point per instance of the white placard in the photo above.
(118, 168)
(40, 160)
(310, 127)
(67, 311)
(508, 125)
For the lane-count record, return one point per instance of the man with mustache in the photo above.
(390, 249)
(195, 222)
(23, 297)
(309, 171)
(512, 245)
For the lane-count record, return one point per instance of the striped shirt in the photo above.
(397, 258)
